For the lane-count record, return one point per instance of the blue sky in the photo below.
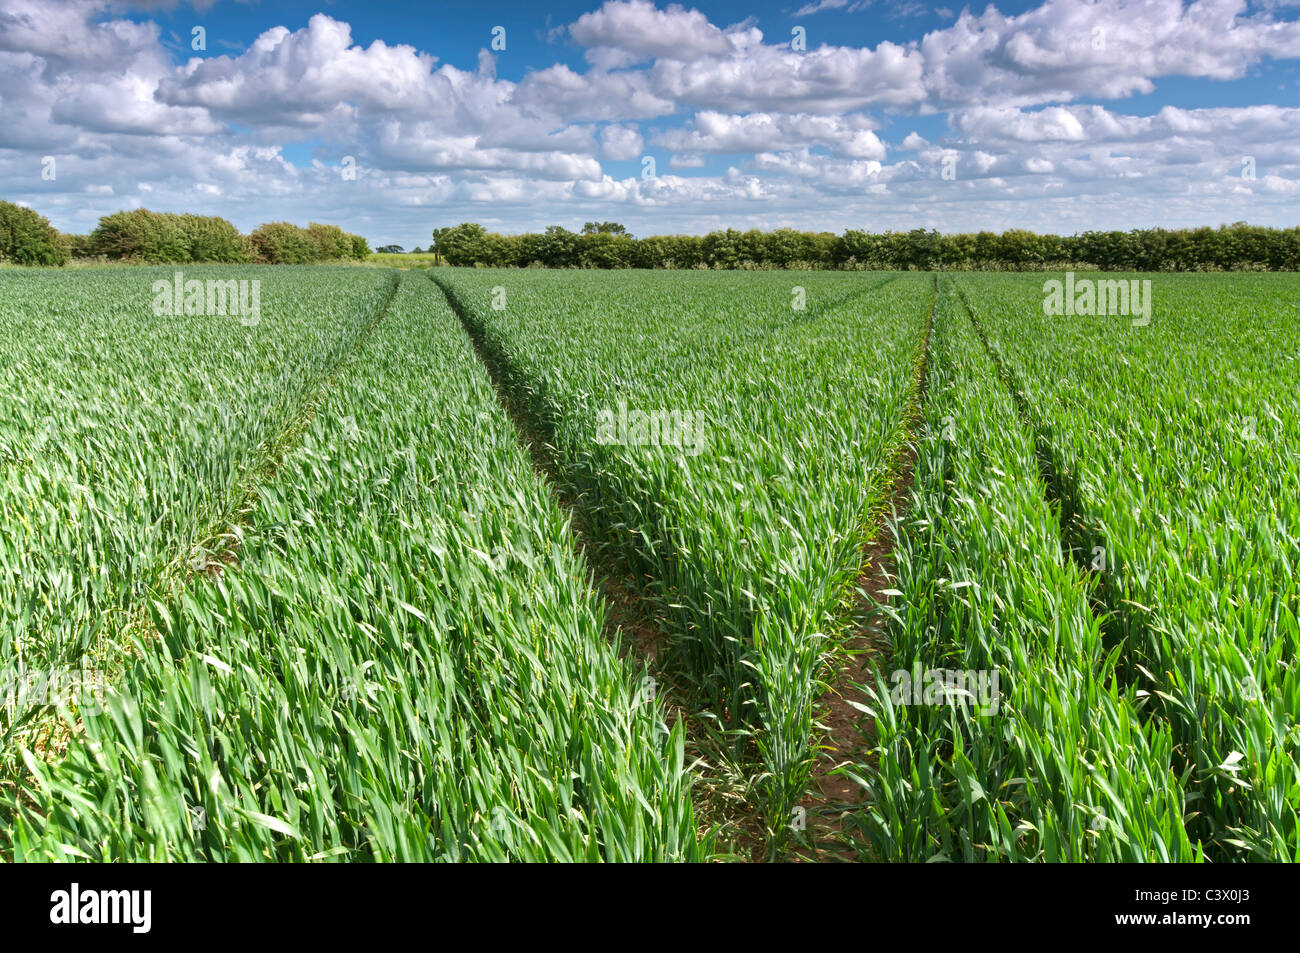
(457, 31)
(391, 119)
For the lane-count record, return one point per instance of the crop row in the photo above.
(729, 438)
(408, 662)
(1037, 752)
(1170, 447)
(128, 438)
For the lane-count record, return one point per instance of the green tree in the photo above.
(603, 228)
(142, 235)
(28, 238)
(460, 244)
(282, 243)
(209, 238)
(722, 249)
(558, 247)
(76, 246)
(605, 250)
(330, 241)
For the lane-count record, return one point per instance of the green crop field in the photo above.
(476, 564)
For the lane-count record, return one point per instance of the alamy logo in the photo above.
(658, 428)
(74, 906)
(948, 686)
(82, 688)
(239, 297)
(1104, 296)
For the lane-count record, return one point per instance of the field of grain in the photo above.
(475, 564)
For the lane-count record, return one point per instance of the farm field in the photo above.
(128, 441)
(475, 564)
(406, 663)
(1173, 451)
(1062, 766)
(749, 521)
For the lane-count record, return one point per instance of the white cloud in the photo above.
(1067, 49)
(598, 94)
(621, 33)
(715, 132)
(300, 78)
(620, 142)
(826, 80)
(809, 134)
(817, 6)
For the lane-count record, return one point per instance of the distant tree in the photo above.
(722, 249)
(650, 252)
(820, 248)
(919, 249)
(28, 238)
(282, 243)
(331, 242)
(859, 248)
(78, 246)
(391, 249)
(603, 228)
(142, 235)
(558, 248)
(958, 251)
(683, 251)
(605, 250)
(607, 245)
(1019, 247)
(501, 250)
(460, 244)
(786, 246)
(209, 238)
(752, 247)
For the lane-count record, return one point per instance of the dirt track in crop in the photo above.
(846, 733)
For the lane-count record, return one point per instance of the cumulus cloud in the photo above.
(770, 77)
(1027, 108)
(597, 94)
(716, 132)
(1067, 49)
(621, 33)
(301, 77)
(620, 142)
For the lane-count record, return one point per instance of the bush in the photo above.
(214, 239)
(282, 243)
(28, 238)
(331, 242)
(605, 250)
(139, 235)
(460, 244)
(142, 235)
(164, 238)
(77, 246)
(1238, 246)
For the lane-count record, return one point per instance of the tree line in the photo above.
(607, 245)
(140, 235)
(165, 237)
